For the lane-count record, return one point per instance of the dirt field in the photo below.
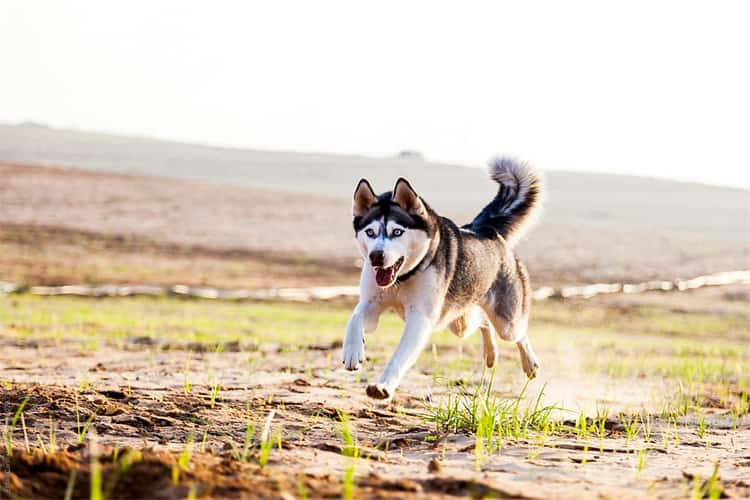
(163, 229)
(639, 395)
(168, 398)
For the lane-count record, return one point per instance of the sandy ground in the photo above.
(49, 255)
(135, 387)
(140, 404)
(301, 227)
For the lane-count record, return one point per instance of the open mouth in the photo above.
(385, 276)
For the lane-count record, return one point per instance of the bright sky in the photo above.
(648, 88)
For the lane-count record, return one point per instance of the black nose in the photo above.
(377, 258)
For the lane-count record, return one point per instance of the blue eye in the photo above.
(397, 232)
(370, 233)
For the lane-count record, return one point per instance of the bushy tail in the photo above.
(517, 202)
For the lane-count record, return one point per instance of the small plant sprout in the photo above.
(641, 462)
(215, 391)
(701, 426)
(632, 427)
(82, 430)
(186, 385)
(249, 433)
(479, 457)
(203, 441)
(266, 442)
(71, 484)
(96, 469)
(183, 461)
(349, 485)
(302, 488)
(350, 448)
(25, 434)
(13, 423)
(600, 425)
(647, 428)
(710, 488)
(582, 428)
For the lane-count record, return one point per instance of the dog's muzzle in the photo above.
(386, 276)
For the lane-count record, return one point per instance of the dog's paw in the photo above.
(378, 391)
(490, 358)
(530, 365)
(354, 354)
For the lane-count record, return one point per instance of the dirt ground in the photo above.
(49, 255)
(139, 397)
(208, 219)
(132, 385)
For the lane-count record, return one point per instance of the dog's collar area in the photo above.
(403, 277)
(424, 263)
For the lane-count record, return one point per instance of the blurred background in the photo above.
(199, 144)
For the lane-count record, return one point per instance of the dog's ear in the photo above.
(407, 198)
(364, 198)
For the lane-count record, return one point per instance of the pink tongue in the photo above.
(384, 276)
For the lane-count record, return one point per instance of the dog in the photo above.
(437, 275)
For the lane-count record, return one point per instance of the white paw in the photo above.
(354, 353)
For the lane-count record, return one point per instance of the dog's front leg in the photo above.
(364, 319)
(418, 329)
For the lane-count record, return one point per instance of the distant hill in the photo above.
(595, 226)
(574, 198)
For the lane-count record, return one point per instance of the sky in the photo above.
(640, 87)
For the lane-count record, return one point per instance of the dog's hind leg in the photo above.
(513, 330)
(471, 321)
(529, 361)
(489, 345)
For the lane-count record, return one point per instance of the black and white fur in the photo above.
(437, 275)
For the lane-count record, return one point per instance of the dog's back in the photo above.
(478, 258)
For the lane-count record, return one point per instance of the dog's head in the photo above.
(393, 230)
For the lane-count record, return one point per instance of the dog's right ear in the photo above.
(364, 198)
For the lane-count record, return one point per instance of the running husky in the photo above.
(435, 274)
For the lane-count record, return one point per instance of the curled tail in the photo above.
(517, 202)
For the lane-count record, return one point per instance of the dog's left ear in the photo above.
(407, 198)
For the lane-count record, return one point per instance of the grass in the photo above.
(350, 449)
(641, 462)
(183, 461)
(266, 440)
(249, 434)
(632, 426)
(477, 410)
(186, 385)
(292, 325)
(81, 430)
(9, 433)
(95, 466)
(710, 488)
(215, 390)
